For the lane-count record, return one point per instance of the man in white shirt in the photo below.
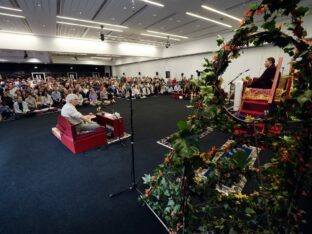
(70, 112)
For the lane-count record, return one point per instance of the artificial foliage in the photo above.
(187, 200)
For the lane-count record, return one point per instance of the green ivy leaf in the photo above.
(253, 7)
(302, 11)
(182, 125)
(305, 97)
(270, 26)
(232, 231)
(249, 211)
(146, 179)
(220, 40)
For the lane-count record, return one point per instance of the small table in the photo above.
(112, 120)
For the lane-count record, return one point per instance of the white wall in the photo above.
(13, 41)
(188, 63)
(252, 59)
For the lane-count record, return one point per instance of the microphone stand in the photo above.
(133, 184)
(231, 82)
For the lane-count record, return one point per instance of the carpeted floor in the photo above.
(44, 188)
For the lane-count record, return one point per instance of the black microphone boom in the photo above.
(239, 74)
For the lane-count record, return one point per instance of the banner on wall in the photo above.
(72, 75)
(95, 74)
(38, 76)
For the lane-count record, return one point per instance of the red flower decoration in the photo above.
(147, 192)
(284, 158)
(161, 173)
(215, 58)
(212, 151)
(227, 47)
(248, 13)
(260, 11)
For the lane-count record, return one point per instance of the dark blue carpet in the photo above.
(44, 188)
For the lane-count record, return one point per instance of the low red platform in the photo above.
(78, 143)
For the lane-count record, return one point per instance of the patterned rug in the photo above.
(167, 141)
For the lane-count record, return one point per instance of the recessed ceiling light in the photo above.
(153, 3)
(207, 19)
(80, 13)
(167, 34)
(151, 35)
(154, 15)
(124, 8)
(90, 21)
(10, 8)
(139, 23)
(11, 15)
(113, 18)
(178, 21)
(220, 12)
(88, 26)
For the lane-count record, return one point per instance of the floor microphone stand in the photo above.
(231, 83)
(133, 184)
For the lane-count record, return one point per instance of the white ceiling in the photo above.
(40, 18)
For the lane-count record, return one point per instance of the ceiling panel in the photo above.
(13, 24)
(84, 9)
(116, 12)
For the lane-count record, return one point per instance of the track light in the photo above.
(167, 45)
(25, 54)
(102, 37)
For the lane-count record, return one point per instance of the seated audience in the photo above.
(21, 108)
(31, 102)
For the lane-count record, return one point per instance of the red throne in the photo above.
(256, 102)
(177, 95)
(78, 143)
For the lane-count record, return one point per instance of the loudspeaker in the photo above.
(139, 73)
(182, 74)
(156, 73)
(123, 74)
(167, 74)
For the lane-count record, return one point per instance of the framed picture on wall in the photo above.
(38, 76)
(95, 74)
(72, 75)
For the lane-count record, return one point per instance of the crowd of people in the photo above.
(24, 96)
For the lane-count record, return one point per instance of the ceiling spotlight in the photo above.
(133, 6)
(102, 37)
(167, 44)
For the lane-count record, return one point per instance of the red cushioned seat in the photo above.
(78, 143)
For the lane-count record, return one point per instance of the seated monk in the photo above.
(265, 81)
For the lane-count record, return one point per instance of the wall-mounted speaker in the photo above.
(156, 73)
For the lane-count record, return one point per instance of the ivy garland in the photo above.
(189, 202)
